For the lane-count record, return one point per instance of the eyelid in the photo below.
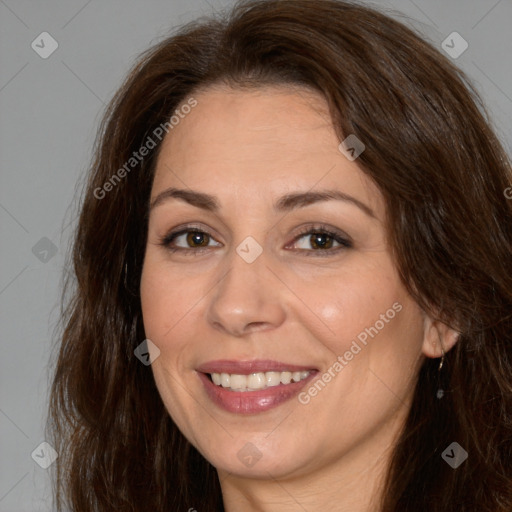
(323, 228)
(182, 230)
(345, 242)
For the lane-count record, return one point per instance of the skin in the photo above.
(248, 148)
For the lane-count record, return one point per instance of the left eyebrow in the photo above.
(300, 199)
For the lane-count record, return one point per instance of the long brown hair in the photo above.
(442, 172)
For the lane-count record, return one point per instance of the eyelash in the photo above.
(316, 230)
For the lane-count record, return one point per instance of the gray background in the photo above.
(50, 109)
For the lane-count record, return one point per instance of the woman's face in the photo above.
(255, 300)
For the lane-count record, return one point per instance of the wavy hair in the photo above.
(442, 171)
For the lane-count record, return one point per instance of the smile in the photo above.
(252, 387)
(256, 381)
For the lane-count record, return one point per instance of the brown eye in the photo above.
(201, 239)
(321, 240)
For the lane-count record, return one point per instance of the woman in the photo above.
(293, 278)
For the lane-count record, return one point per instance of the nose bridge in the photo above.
(245, 295)
(245, 276)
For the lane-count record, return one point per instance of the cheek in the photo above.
(166, 298)
(358, 302)
(165, 304)
(377, 330)
(378, 333)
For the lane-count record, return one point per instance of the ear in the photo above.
(438, 337)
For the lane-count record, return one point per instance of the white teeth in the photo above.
(273, 378)
(224, 380)
(256, 381)
(238, 381)
(286, 377)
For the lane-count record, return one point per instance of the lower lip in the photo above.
(252, 402)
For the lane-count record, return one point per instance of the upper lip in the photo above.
(248, 367)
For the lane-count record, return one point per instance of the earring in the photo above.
(442, 359)
(440, 392)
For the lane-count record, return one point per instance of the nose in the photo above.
(248, 298)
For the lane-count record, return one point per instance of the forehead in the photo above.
(257, 141)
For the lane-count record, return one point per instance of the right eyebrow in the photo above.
(197, 199)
